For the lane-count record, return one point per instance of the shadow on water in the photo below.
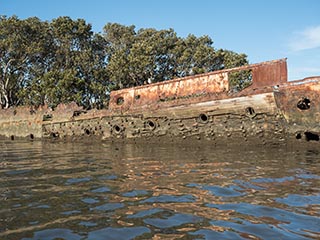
(52, 190)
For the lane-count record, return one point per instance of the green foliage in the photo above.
(238, 80)
(19, 48)
(64, 60)
(149, 55)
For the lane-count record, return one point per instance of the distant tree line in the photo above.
(63, 60)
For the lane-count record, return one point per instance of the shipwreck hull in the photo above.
(203, 107)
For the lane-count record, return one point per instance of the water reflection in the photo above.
(110, 191)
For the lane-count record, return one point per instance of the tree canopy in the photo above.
(63, 60)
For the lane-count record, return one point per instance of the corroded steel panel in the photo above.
(269, 74)
(215, 83)
(264, 76)
(166, 91)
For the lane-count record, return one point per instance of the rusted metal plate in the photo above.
(269, 74)
(183, 88)
(214, 85)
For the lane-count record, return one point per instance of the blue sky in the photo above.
(262, 29)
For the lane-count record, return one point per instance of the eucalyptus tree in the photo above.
(151, 56)
(119, 40)
(23, 43)
(76, 73)
(73, 68)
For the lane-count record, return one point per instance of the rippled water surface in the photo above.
(74, 191)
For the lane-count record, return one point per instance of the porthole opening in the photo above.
(54, 134)
(31, 136)
(12, 137)
(137, 97)
(203, 118)
(250, 111)
(304, 104)
(116, 129)
(298, 136)
(87, 131)
(311, 136)
(150, 124)
(120, 101)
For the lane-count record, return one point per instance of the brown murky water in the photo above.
(74, 191)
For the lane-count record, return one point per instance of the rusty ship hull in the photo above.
(201, 107)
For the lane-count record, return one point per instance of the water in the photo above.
(74, 191)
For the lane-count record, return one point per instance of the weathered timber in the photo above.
(201, 107)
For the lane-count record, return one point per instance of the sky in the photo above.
(263, 29)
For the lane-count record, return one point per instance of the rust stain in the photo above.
(214, 85)
(201, 107)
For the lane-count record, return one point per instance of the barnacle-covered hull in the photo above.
(203, 107)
